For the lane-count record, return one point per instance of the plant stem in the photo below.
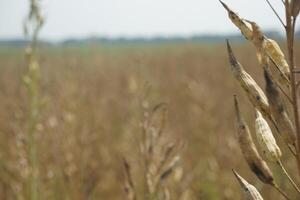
(33, 119)
(291, 59)
(275, 13)
(31, 80)
(288, 176)
(281, 192)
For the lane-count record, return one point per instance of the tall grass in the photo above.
(32, 26)
(159, 164)
(96, 138)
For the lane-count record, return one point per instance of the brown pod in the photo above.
(249, 151)
(244, 27)
(250, 192)
(252, 89)
(283, 122)
(265, 47)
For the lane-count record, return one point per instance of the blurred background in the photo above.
(104, 66)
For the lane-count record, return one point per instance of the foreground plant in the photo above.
(256, 163)
(281, 87)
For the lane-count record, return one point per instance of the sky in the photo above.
(132, 18)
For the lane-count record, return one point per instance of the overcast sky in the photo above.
(75, 18)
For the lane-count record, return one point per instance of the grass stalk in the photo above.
(31, 80)
(281, 192)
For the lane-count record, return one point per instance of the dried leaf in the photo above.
(170, 168)
(129, 186)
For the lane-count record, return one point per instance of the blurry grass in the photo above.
(91, 116)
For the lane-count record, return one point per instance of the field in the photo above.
(93, 102)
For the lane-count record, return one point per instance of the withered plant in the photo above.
(160, 164)
(272, 109)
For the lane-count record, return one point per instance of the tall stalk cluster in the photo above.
(32, 26)
(272, 108)
(157, 173)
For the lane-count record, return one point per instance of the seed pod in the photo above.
(266, 139)
(265, 47)
(257, 35)
(258, 40)
(273, 50)
(239, 22)
(279, 112)
(253, 91)
(249, 151)
(251, 193)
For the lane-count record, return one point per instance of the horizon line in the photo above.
(136, 36)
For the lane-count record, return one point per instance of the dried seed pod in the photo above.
(257, 36)
(258, 40)
(251, 193)
(273, 50)
(283, 122)
(249, 151)
(265, 47)
(266, 139)
(239, 22)
(253, 91)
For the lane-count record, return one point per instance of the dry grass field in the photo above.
(93, 103)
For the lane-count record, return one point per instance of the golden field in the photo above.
(93, 102)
